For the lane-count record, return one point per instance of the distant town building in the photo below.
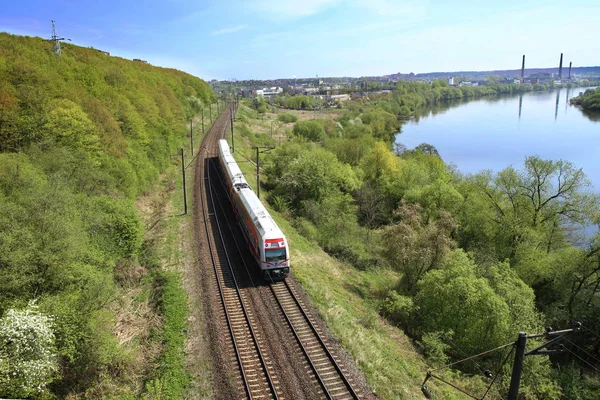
(451, 81)
(338, 97)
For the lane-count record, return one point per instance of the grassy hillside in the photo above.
(81, 136)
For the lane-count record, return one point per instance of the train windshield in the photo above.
(275, 255)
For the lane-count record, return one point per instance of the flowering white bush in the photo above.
(27, 358)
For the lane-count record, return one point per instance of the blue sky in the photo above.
(262, 39)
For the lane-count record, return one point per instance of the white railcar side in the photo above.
(267, 243)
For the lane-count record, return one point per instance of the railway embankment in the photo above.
(345, 298)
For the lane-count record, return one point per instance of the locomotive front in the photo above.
(275, 256)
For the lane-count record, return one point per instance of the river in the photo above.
(493, 133)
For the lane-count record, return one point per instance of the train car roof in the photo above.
(234, 172)
(257, 211)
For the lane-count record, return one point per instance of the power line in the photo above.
(590, 331)
(572, 352)
(583, 350)
(487, 373)
(56, 40)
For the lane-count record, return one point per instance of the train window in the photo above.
(275, 255)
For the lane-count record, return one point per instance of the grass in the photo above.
(174, 375)
(171, 379)
(348, 301)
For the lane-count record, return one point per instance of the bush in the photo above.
(397, 308)
(27, 355)
(311, 130)
(262, 109)
(434, 348)
(287, 118)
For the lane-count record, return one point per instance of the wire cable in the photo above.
(591, 365)
(454, 386)
(476, 355)
(499, 371)
(447, 339)
(583, 350)
(591, 331)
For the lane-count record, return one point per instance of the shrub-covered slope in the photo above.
(81, 135)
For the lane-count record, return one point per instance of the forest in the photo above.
(478, 257)
(81, 136)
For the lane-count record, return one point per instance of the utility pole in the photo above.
(552, 345)
(257, 175)
(183, 175)
(192, 137)
(515, 380)
(232, 142)
(267, 148)
(202, 120)
(554, 339)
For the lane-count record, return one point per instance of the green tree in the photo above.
(415, 247)
(455, 299)
(309, 173)
(311, 130)
(68, 124)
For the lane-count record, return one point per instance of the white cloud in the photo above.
(290, 9)
(229, 30)
(391, 8)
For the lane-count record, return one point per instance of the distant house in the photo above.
(339, 97)
(139, 60)
(451, 81)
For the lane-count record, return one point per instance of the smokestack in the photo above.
(560, 67)
(523, 69)
(570, 64)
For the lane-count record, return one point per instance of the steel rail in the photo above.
(218, 129)
(241, 301)
(318, 337)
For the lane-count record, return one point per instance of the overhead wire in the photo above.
(498, 372)
(591, 365)
(585, 351)
(474, 356)
(590, 331)
(456, 347)
(431, 375)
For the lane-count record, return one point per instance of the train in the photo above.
(267, 243)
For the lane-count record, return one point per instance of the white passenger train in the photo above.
(267, 242)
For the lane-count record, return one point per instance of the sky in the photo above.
(269, 39)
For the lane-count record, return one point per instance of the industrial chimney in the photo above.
(570, 64)
(560, 67)
(523, 69)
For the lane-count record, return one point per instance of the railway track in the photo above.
(256, 381)
(257, 378)
(329, 372)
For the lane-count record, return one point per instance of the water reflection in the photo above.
(484, 134)
(520, 105)
(557, 101)
(443, 107)
(592, 116)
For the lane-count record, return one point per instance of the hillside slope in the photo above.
(81, 136)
